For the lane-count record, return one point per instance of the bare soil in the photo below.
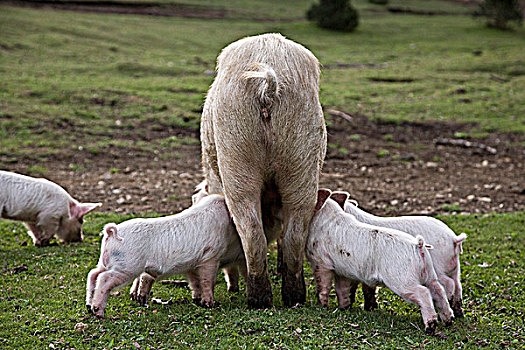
(390, 169)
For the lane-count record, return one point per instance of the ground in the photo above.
(389, 168)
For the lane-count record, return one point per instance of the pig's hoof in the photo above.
(133, 296)
(209, 304)
(430, 328)
(449, 322)
(89, 309)
(456, 307)
(142, 299)
(44, 243)
(344, 307)
(293, 290)
(259, 292)
(233, 289)
(370, 306)
(197, 301)
(458, 312)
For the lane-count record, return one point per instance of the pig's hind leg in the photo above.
(106, 282)
(195, 285)
(421, 296)
(440, 298)
(343, 290)
(141, 288)
(246, 211)
(90, 287)
(207, 272)
(323, 283)
(231, 275)
(298, 198)
(297, 221)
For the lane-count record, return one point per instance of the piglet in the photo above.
(340, 245)
(45, 207)
(195, 242)
(445, 255)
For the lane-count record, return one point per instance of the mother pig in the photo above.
(263, 143)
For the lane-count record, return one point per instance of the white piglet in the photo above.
(340, 245)
(195, 242)
(445, 255)
(45, 207)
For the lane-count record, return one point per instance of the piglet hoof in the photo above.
(233, 289)
(449, 322)
(142, 299)
(345, 308)
(42, 243)
(209, 304)
(197, 301)
(370, 306)
(133, 296)
(456, 307)
(89, 310)
(430, 327)
(458, 312)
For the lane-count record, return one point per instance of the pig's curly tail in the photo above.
(111, 230)
(268, 86)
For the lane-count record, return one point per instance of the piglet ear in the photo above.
(78, 210)
(322, 195)
(340, 197)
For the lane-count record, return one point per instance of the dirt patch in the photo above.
(124, 7)
(389, 168)
(163, 9)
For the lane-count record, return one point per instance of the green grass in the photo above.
(41, 305)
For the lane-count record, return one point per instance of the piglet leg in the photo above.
(420, 295)
(145, 283)
(457, 300)
(195, 285)
(231, 274)
(343, 288)
(90, 287)
(207, 274)
(134, 289)
(106, 281)
(323, 281)
(369, 294)
(440, 298)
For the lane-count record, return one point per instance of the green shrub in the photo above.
(334, 15)
(500, 12)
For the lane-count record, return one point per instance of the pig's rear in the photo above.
(263, 137)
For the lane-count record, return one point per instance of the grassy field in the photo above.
(71, 80)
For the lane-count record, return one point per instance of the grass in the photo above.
(42, 300)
